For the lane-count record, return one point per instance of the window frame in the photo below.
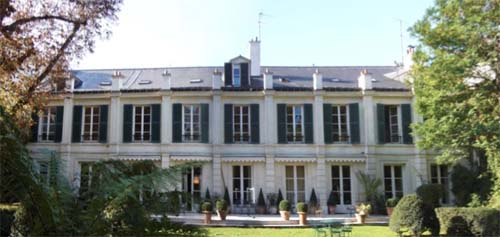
(446, 199)
(393, 191)
(243, 191)
(191, 123)
(295, 124)
(241, 123)
(236, 79)
(337, 108)
(392, 135)
(142, 131)
(295, 189)
(50, 126)
(341, 178)
(91, 132)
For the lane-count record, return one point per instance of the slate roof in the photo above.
(200, 78)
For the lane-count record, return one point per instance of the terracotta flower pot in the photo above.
(260, 210)
(285, 215)
(331, 209)
(302, 218)
(389, 211)
(222, 215)
(208, 217)
(361, 218)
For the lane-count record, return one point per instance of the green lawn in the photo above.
(358, 231)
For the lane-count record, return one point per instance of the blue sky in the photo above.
(162, 33)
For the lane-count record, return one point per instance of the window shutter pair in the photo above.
(406, 122)
(353, 123)
(308, 124)
(228, 74)
(59, 123)
(76, 131)
(155, 123)
(177, 123)
(254, 124)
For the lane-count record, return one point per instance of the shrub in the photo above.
(6, 218)
(409, 213)
(363, 209)
(226, 197)
(476, 221)
(261, 202)
(206, 207)
(221, 205)
(301, 207)
(208, 198)
(332, 199)
(430, 193)
(280, 198)
(313, 200)
(284, 205)
(391, 202)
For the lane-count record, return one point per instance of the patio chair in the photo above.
(318, 229)
(347, 231)
(336, 230)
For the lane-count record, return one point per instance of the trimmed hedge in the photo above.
(408, 214)
(284, 205)
(476, 221)
(221, 205)
(301, 207)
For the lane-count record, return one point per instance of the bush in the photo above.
(301, 207)
(221, 205)
(6, 218)
(313, 200)
(430, 193)
(261, 202)
(226, 197)
(284, 205)
(461, 221)
(280, 197)
(409, 213)
(206, 207)
(391, 202)
(332, 199)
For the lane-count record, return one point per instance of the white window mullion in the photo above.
(133, 122)
(393, 181)
(142, 123)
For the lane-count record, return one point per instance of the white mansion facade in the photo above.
(276, 128)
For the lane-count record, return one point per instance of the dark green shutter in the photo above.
(76, 131)
(177, 123)
(59, 123)
(228, 74)
(103, 123)
(127, 123)
(156, 123)
(281, 115)
(34, 128)
(228, 124)
(244, 75)
(204, 123)
(354, 122)
(327, 123)
(308, 123)
(406, 118)
(254, 123)
(381, 123)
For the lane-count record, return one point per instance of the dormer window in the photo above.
(236, 75)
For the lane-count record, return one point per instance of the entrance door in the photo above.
(191, 184)
(295, 183)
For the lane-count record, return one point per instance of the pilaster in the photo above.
(320, 185)
(166, 119)
(115, 126)
(369, 120)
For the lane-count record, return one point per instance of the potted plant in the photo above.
(228, 200)
(273, 206)
(362, 211)
(261, 204)
(285, 209)
(206, 208)
(390, 204)
(221, 206)
(279, 199)
(313, 202)
(332, 202)
(302, 211)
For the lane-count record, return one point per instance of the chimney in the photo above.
(167, 78)
(116, 81)
(409, 57)
(70, 84)
(216, 80)
(365, 80)
(255, 57)
(317, 80)
(268, 80)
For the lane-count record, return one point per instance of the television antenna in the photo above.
(401, 38)
(260, 22)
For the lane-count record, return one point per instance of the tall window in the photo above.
(90, 125)
(242, 181)
(295, 183)
(392, 126)
(47, 127)
(393, 181)
(236, 75)
(241, 123)
(341, 184)
(191, 183)
(142, 123)
(191, 123)
(439, 175)
(339, 122)
(294, 123)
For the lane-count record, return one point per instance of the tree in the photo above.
(39, 39)
(456, 81)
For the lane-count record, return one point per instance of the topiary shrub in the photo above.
(280, 198)
(301, 207)
(408, 214)
(332, 199)
(284, 205)
(221, 205)
(226, 197)
(208, 198)
(261, 202)
(462, 221)
(313, 200)
(391, 202)
(206, 207)
(430, 194)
